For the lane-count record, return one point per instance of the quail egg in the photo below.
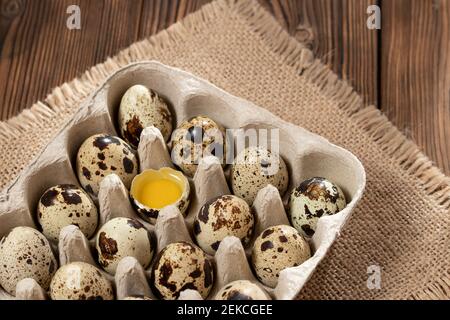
(25, 253)
(253, 169)
(63, 205)
(180, 266)
(197, 138)
(80, 281)
(152, 190)
(103, 154)
(122, 237)
(220, 217)
(242, 290)
(142, 107)
(275, 249)
(137, 298)
(314, 198)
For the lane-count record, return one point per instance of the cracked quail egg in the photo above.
(253, 169)
(63, 205)
(103, 154)
(122, 237)
(80, 281)
(180, 266)
(275, 249)
(25, 253)
(242, 290)
(152, 190)
(312, 199)
(142, 107)
(197, 138)
(220, 217)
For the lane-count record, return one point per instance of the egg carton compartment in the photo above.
(306, 155)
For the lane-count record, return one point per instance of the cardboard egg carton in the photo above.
(306, 155)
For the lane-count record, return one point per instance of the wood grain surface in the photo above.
(404, 68)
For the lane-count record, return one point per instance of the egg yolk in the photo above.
(157, 194)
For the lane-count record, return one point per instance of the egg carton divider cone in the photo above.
(306, 155)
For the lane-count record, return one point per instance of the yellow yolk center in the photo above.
(157, 194)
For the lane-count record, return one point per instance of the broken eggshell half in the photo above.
(306, 155)
(152, 190)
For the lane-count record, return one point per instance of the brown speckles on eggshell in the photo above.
(70, 205)
(166, 272)
(307, 230)
(23, 256)
(101, 155)
(86, 173)
(103, 141)
(194, 139)
(49, 197)
(215, 245)
(279, 249)
(252, 170)
(133, 130)
(236, 295)
(147, 214)
(71, 196)
(90, 284)
(135, 223)
(196, 273)
(128, 165)
(312, 199)
(108, 246)
(122, 237)
(102, 166)
(181, 266)
(142, 107)
(223, 216)
(266, 245)
(203, 215)
(242, 290)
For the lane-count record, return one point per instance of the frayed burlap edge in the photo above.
(292, 53)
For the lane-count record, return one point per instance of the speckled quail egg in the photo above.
(25, 253)
(180, 266)
(63, 205)
(220, 217)
(253, 169)
(142, 107)
(312, 199)
(80, 281)
(242, 290)
(103, 154)
(275, 249)
(197, 138)
(123, 237)
(137, 298)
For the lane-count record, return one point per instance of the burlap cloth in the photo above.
(402, 223)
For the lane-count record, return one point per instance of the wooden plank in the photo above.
(57, 48)
(415, 73)
(39, 52)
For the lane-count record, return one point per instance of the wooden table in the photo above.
(404, 68)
